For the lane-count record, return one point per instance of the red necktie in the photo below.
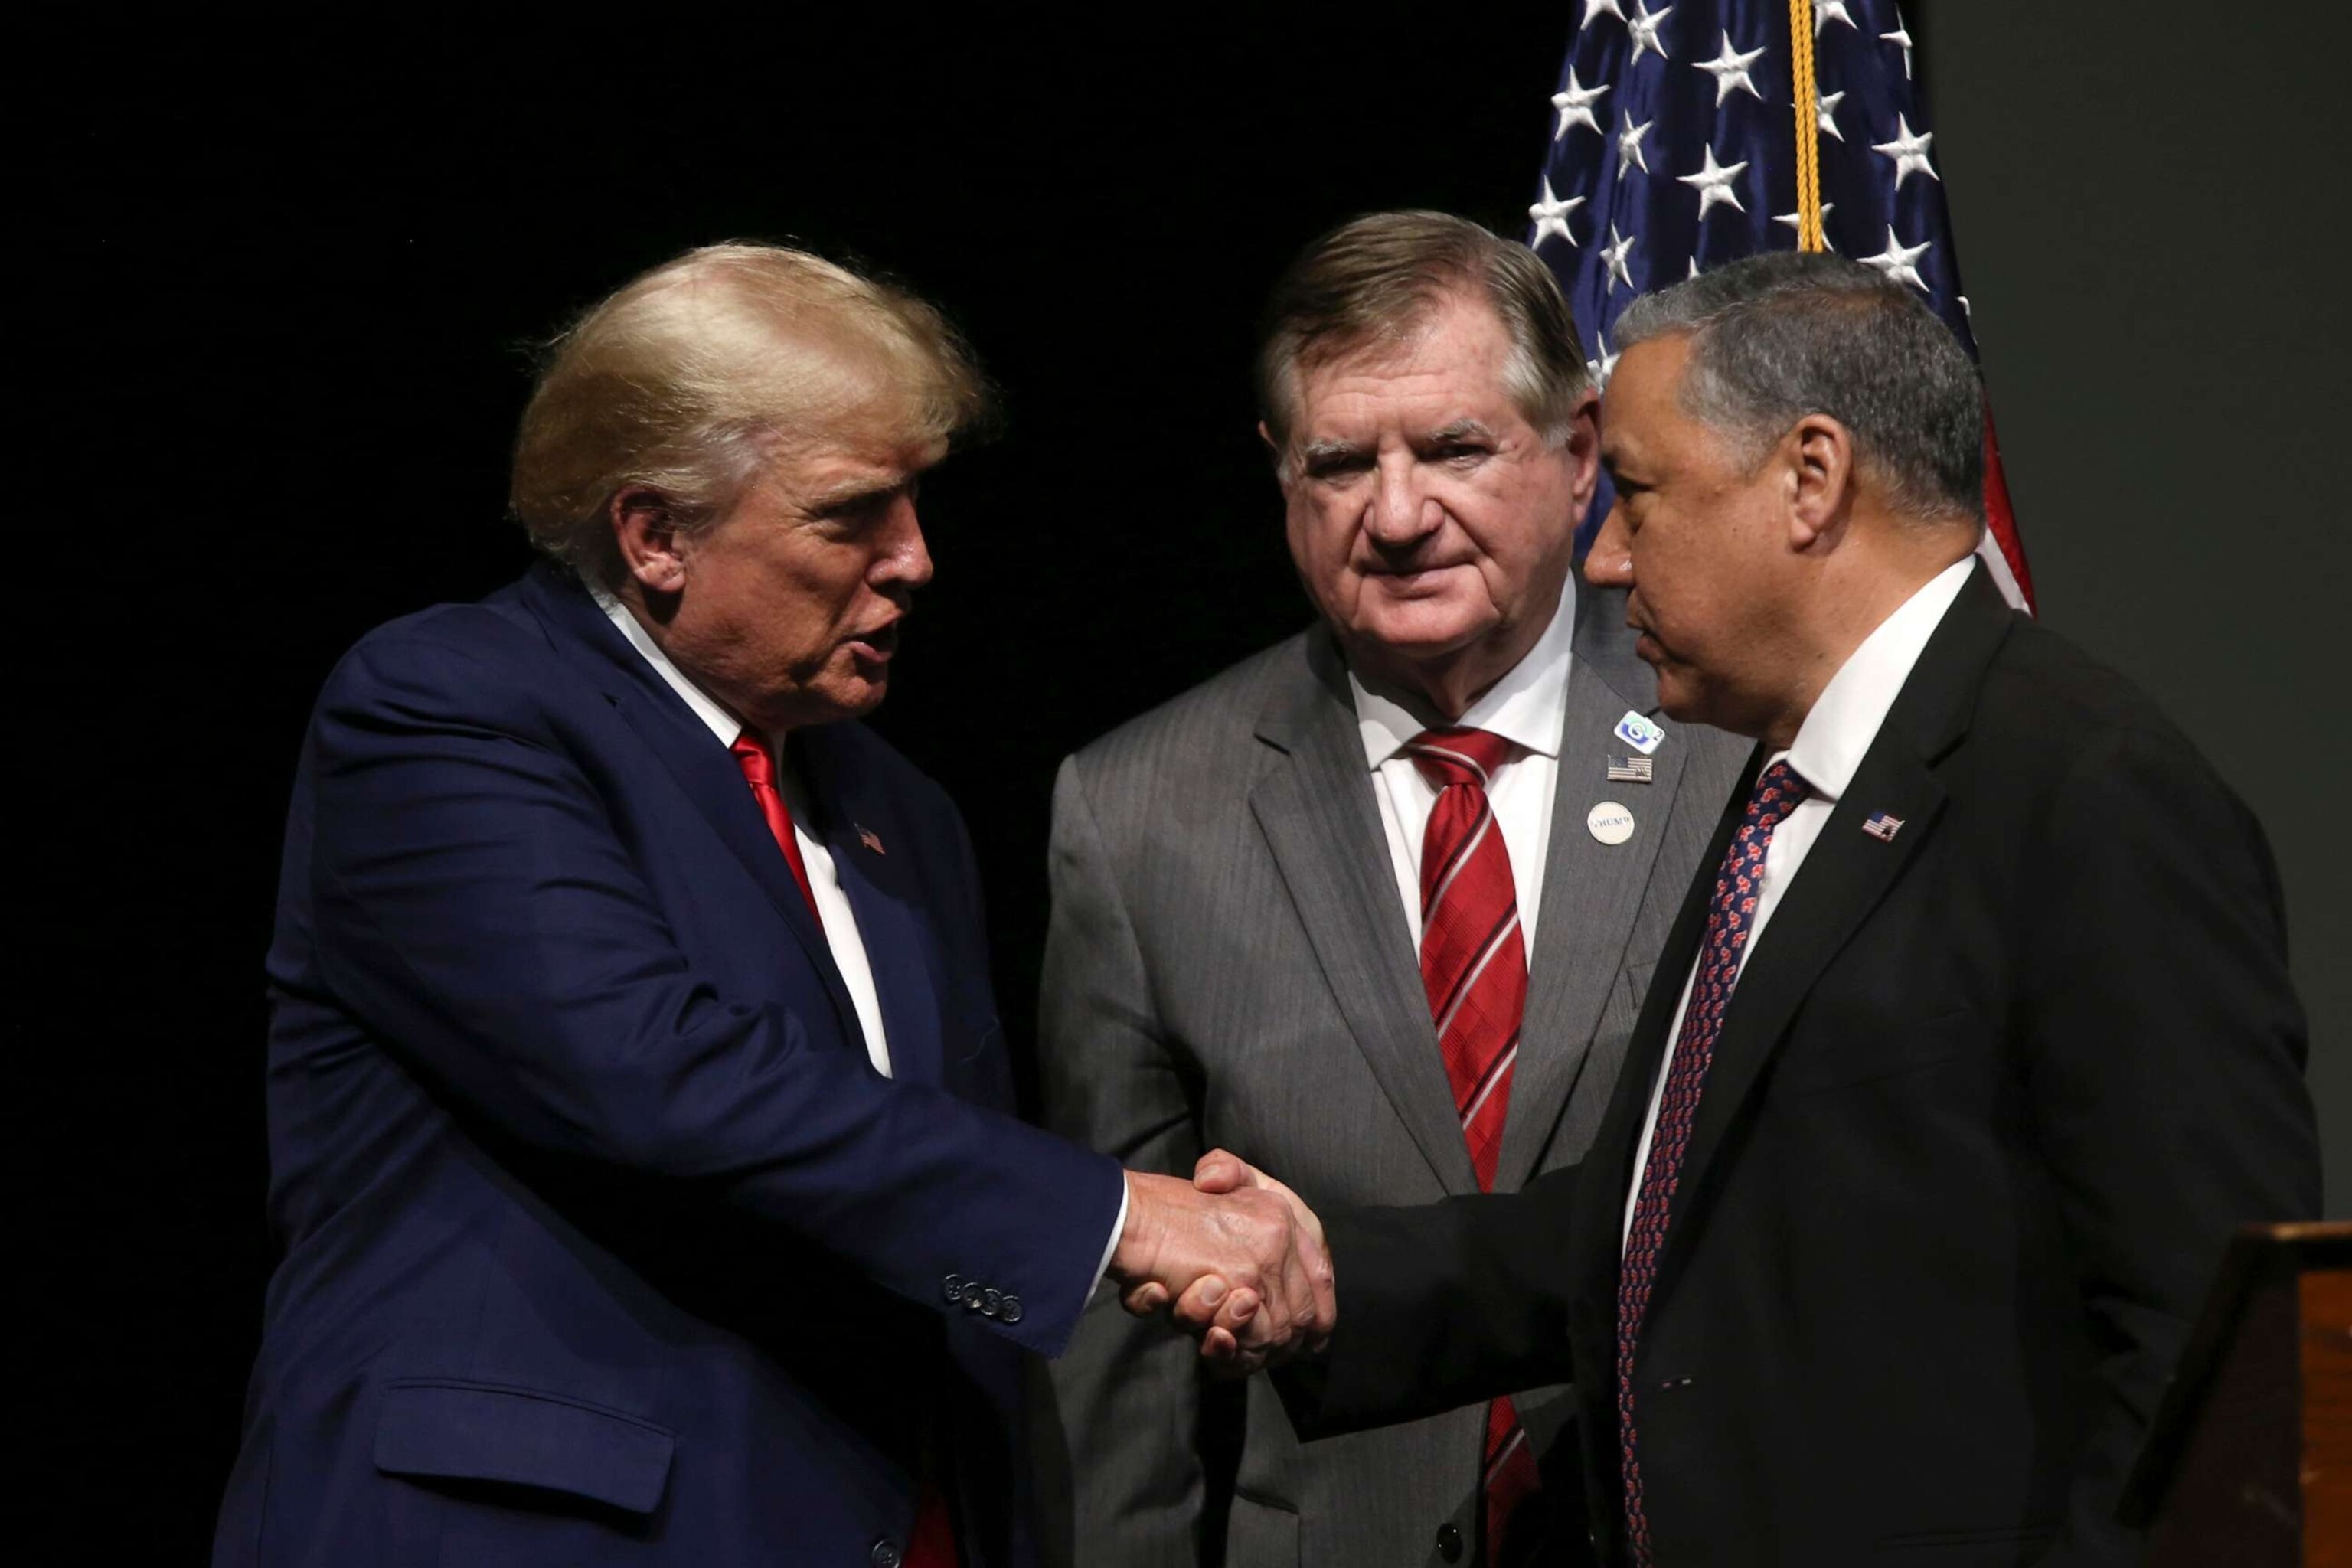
(759, 772)
(1474, 966)
(1731, 916)
(932, 1542)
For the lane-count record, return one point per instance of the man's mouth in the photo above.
(875, 646)
(1412, 576)
(1646, 646)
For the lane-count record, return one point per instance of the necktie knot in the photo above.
(1779, 791)
(1458, 756)
(760, 771)
(758, 767)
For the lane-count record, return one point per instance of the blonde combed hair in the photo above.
(689, 377)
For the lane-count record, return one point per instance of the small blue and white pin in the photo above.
(1883, 826)
(1639, 734)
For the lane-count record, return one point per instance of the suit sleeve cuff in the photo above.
(1110, 1245)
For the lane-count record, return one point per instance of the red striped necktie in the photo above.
(932, 1541)
(1474, 966)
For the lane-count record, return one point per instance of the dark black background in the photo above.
(284, 289)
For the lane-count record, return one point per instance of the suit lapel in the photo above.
(1314, 807)
(1599, 1205)
(1845, 874)
(686, 747)
(900, 951)
(1591, 891)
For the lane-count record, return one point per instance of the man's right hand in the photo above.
(1236, 1256)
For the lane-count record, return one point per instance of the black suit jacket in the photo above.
(1988, 1100)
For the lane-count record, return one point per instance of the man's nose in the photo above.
(905, 561)
(1401, 514)
(1610, 563)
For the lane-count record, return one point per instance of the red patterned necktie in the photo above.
(932, 1542)
(1732, 915)
(1474, 966)
(759, 772)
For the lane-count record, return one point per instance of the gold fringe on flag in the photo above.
(1808, 137)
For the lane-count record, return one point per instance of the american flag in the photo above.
(1676, 145)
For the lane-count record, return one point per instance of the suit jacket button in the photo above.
(1010, 1310)
(1449, 1542)
(954, 1287)
(990, 1301)
(886, 1554)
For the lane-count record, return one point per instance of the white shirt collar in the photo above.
(723, 724)
(1526, 706)
(1845, 718)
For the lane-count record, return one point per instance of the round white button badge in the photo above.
(1610, 823)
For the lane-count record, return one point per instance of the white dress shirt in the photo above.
(1526, 706)
(832, 904)
(1830, 746)
(839, 920)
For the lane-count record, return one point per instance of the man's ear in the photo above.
(1819, 454)
(1273, 451)
(647, 538)
(1582, 451)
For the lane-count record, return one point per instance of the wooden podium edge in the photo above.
(2254, 1252)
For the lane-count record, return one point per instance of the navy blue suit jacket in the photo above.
(604, 1240)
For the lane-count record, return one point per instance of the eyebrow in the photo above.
(1327, 450)
(1620, 468)
(1457, 430)
(854, 493)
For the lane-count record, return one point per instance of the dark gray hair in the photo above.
(1778, 336)
(1377, 278)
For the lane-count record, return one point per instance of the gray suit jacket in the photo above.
(1229, 964)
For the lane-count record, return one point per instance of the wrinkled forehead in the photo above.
(1453, 353)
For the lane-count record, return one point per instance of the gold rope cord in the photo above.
(1808, 138)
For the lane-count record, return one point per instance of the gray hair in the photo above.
(1778, 336)
(691, 377)
(1375, 278)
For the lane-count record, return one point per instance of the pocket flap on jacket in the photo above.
(487, 1433)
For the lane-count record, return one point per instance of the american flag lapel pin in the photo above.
(1635, 769)
(873, 841)
(1883, 827)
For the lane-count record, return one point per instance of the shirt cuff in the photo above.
(1118, 1229)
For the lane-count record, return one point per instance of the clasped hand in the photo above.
(1233, 1256)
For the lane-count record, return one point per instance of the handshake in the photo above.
(1233, 1256)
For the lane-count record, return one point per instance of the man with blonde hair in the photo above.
(638, 1109)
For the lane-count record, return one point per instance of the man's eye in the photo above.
(1329, 468)
(859, 512)
(1459, 451)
